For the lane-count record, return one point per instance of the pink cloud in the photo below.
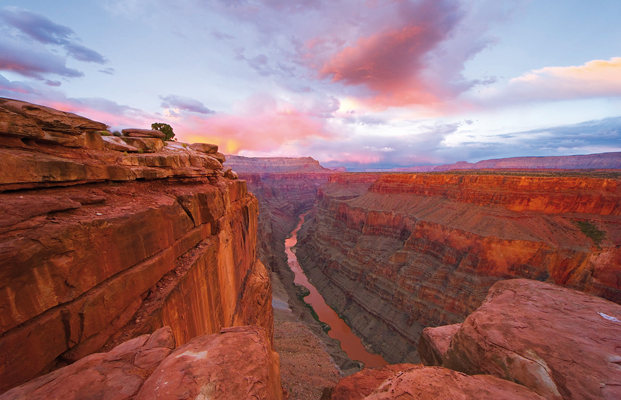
(597, 78)
(261, 124)
(392, 62)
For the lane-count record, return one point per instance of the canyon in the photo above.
(395, 253)
(134, 267)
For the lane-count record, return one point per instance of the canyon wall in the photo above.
(105, 238)
(394, 253)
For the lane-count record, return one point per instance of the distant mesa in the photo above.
(589, 161)
(275, 164)
(339, 169)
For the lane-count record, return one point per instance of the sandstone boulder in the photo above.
(143, 133)
(559, 342)
(118, 374)
(434, 343)
(236, 363)
(117, 144)
(204, 148)
(145, 144)
(432, 383)
(230, 174)
(220, 157)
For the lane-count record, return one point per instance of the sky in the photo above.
(364, 84)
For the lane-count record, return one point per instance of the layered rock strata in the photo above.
(99, 245)
(395, 253)
(235, 363)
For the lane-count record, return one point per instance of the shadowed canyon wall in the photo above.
(104, 238)
(396, 252)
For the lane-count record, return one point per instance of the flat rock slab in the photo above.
(118, 374)
(559, 342)
(146, 133)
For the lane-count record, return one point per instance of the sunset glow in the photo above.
(438, 81)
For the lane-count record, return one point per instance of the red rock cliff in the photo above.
(105, 238)
(415, 250)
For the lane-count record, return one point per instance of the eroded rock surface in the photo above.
(118, 374)
(559, 342)
(237, 363)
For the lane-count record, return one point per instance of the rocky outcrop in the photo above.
(118, 374)
(426, 383)
(435, 342)
(361, 384)
(395, 253)
(561, 343)
(589, 161)
(240, 364)
(237, 363)
(99, 246)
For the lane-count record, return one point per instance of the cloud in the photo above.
(598, 78)
(109, 71)
(413, 56)
(260, 123)
(30, 62)
(84, 54)
(23, 45)
(13, 88)
(185, 103)
(36, 26)
(389, 62)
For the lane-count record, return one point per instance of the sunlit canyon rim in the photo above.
(136, 257)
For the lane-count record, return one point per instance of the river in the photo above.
(350, 343)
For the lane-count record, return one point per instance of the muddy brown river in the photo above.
(350, 343)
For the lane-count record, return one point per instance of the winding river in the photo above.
(350, 343)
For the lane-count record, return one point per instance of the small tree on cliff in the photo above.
(165, 129)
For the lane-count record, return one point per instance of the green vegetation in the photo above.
(166, 129)
(117, 133)
(591, 231)
(105, 133)
(301, 292)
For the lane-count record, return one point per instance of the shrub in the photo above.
(166, 129)
(591, 231)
